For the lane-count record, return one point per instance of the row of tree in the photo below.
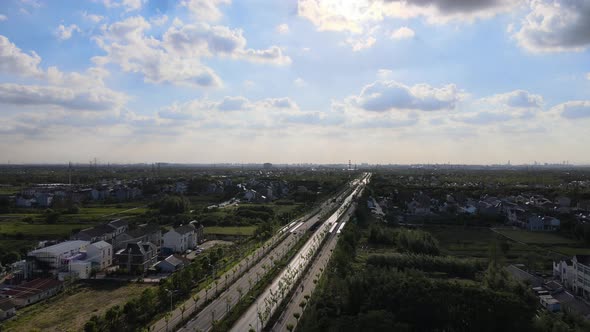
(452, 266)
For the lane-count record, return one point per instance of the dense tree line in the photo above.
(407, 240)
(452, 266)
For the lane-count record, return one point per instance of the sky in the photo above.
(290, 81)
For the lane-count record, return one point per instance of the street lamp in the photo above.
(169, 293)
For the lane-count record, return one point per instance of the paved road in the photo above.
(258, 314)
(306, 285)
(247, 277)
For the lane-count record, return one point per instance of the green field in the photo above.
(540, 238)
(242, 230)
(40, 230)
(70, 311)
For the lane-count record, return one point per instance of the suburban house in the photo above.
(564, 270)
(575, 274)
(32, 291)
(106, 232)
(181, 239)
(97, 257)
(172, 263)
(138, 257)
(143, 233)
(7, 309)
(538, 223)
(53, 259)
(101, 254)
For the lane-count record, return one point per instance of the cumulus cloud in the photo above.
(358, 16)
(3, 17)
(65, 32)
(176, 58)
(359, 44)
(383, 96)
(384, 74)
(402, 33)
(518, 99)
(128, 5)
(588, 76)
(573, 109)
(205, 10)
(555, 26)
(503, 107)
(283, 28)
(92, 17)
(68, 98)
(72, 91)
(159, 20)
(14, 61)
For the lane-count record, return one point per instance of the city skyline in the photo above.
(214, 81)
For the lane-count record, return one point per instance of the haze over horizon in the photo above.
(213, 81)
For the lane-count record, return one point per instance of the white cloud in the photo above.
(383, 96)
(358, 16)
(359, 44)
(205, 10)
(577, 109)
(159, 20)
(503, 107)
(65, 32)
(403, 33)
(384, 74)
(300, 82)
(517, 99)
(128, 5)
(14, 61)
(68, 91)
(556, 26)
(283, 28)
(176, 58)
(588, 76)
(3, 17)
(92, 17)
(67, 98)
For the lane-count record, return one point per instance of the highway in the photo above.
(286, 238)
(260, 312)
(306, 286)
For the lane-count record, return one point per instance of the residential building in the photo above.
(138, 257)
(32, 291)
(7, 309)
(172, 263)
(581, 265)
(100, 254)
(181, 238)
(564, 271)
(54, 259)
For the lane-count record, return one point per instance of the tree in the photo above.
(290, 327)
(296, 315)
(10, 257)
(182, 310)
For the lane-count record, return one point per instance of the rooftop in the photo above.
(62, 247)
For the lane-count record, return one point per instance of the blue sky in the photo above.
(379, 81)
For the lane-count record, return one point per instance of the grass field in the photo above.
(238, 230)
(40, 230)
(540, 238)
(69, 312)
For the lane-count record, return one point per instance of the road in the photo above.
(259, 313)
(306, 286)
(246, 277)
